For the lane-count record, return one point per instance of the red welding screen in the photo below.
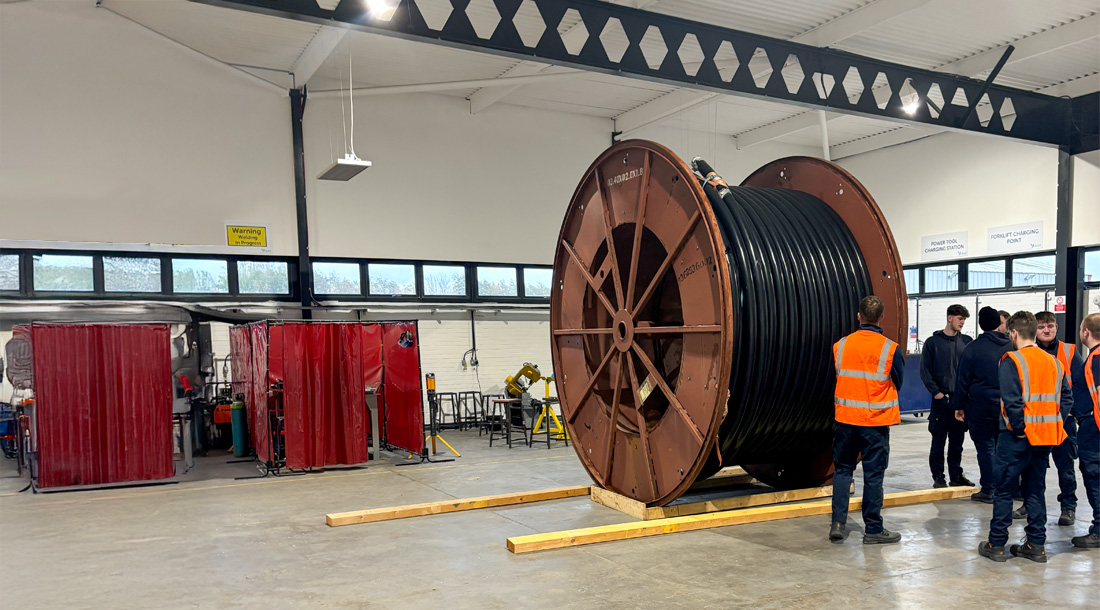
(104, 403)
(257, 407)
(240, 356)
(326, 416)
(372, 366)
(404, 411)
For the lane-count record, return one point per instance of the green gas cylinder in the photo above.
(240, 426)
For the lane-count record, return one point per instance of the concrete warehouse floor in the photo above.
(225, 543)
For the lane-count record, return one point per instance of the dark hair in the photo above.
(1004, 314)
(958, 310)
(1023, 322)
(870, 309)
(1092, 325)
(1045, 317)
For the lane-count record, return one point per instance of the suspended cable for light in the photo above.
(350, 165)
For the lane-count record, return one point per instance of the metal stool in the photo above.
(469, 405)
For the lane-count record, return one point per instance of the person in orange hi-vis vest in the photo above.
(869, 371)
(1065, 454)
(1086, 411)
(1035, 400)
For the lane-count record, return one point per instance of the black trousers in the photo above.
(984, 434)
(946, 430)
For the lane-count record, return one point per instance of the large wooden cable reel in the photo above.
(644, 316)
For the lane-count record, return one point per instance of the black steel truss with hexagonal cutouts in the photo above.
(628, 42)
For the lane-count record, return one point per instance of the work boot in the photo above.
(939, 483)
(996, 553)
(1068, 517)
(1020, 513)
(1034, 552)
(1088, 541)
(983, 497)
(962, 482)
(883, 537)
(836, 532)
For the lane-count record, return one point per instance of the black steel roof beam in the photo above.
(1031, 116)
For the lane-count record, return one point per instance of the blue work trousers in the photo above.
(1064, 456)
(849, 443)
(1017, 460)
(1088, 449)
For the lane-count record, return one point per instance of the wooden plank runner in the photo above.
(623, 531)
(639, 510)
(730, 503)
(451, 506)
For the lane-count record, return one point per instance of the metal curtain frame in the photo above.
(1035, 117)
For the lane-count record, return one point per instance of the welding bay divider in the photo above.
(304, 382)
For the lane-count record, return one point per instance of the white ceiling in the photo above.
(1057, 41)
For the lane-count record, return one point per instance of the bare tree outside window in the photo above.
(444, 281)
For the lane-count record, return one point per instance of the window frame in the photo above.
(168, 293)
(97, 275)
(124, 293)
(964, 273)
(237, 263)
(517, 270)
(422, 290)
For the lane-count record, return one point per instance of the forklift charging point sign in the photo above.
(253, 237)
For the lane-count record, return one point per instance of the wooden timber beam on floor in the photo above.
(624, 531)
(639, 510)
(451, 506)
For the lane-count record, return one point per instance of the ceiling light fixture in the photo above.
(910, 101)
(349, 167)
(381, 10)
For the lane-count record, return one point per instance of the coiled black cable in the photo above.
(797, 276)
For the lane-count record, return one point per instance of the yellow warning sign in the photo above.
(255, 237)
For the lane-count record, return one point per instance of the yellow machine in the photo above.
(520, 384)
(516, 384)
(548, 416)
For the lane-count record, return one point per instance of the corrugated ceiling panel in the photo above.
(777, 18)
(946, 30)
(596, 95)
(232, 36)
(383, 61)
(733, 115)
(1068, 63)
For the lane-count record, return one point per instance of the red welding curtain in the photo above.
(104, 403)
(326, 416)
(257, 406)
(404, 411)
(240, 356)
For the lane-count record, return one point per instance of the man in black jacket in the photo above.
(938, 364)
(977, 398)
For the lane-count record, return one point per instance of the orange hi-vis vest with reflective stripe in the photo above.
(865, 395)
(1064, 354)
(1094, 390)
(1041, 381)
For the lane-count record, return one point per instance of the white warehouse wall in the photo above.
(721, 152)
(112, 133)
(445, 184)
(1086, 199)
(957, 182)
